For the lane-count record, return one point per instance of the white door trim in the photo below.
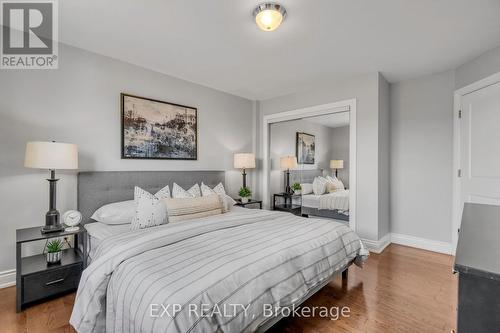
(317, 110)
(457, 103)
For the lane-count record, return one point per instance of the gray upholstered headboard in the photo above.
(304, 176)
(97, 188)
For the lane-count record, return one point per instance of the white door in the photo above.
(480, 146)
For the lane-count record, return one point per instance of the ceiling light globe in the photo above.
(269, 16)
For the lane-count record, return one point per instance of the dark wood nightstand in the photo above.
(250, 202)
(288, 205)
(35, 279)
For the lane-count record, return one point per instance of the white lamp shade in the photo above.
(336, 164)
(244, 161)
(288, 162)
(51, 155)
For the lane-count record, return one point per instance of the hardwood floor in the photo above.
(401, 290)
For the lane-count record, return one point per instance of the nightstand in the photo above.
(35, 279)
(250, 202)
(288, 205)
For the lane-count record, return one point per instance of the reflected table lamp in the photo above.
(287, 163)
(244, 161)
(51, 156)
(336, 165)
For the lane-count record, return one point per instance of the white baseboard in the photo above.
(377, 246)
(7, 278)
(422, 243)
(412, 241)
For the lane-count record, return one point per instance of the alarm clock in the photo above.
(72, 219)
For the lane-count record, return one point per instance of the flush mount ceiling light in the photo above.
(269, 16)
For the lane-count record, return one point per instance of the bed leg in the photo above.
(345, 275)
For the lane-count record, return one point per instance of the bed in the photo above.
(248, 257)
(331, 205)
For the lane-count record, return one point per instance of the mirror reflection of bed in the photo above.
(334, 205)
(320, 177)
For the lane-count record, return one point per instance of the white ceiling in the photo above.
(333, 120)
(217, 44)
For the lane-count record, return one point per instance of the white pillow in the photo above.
(122, 212)
(180, 193)
(307, 188)
(319, 185)
(150, 210)
(219, 189)
(336, 182)
(228, 202)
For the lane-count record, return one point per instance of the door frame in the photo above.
(457, 190)
(317, 110)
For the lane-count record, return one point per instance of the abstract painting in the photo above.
(305, 147)
(153, 129)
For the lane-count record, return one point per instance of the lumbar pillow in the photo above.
(179, 209)
(307, 188)
(150, 210)
(319, 185)
(180, 193)
(219, 190)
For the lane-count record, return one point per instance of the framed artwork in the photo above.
(305, 148)
(153, 129)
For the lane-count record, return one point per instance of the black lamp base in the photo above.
(52, 228)
(52, 218)
(52, 224)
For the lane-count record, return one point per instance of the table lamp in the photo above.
(287, 163)
(51, 156)
(244, 161)
(336, 164)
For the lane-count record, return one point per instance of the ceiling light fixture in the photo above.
(269, 16)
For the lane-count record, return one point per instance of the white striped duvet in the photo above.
(335, 200)
(250, 257)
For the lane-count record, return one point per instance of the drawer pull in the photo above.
(54, 282)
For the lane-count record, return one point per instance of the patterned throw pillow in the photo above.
(180, 193)
(206, 190)
(163, 193)
(319, 185)
(150, 210)
(219, 189)
(336, 182)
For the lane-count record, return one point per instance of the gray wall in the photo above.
(282, 143)
(384, 139)
(340, 151)
(79, 103)
(365, 89)
(421, 156)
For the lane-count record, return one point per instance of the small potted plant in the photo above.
(245, 194)
(54, 251)
(297, 189)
